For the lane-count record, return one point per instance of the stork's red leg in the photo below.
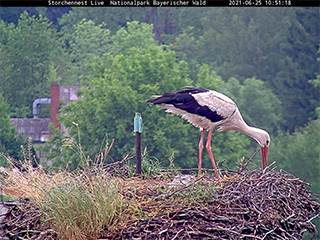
(200, 151)
(208, 146)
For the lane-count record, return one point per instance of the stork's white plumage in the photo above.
(209, 109)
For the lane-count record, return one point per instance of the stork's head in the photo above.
(264, 141)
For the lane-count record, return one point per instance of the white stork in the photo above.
(208, 109)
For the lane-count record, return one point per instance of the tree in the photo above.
(86, 41)
(278, 46)
(12, 14)
(113, 18)
(292, 83)
(110, 100)
(10, 146)
(136, 35)
(164, 20)
(119, 85)
(258, 104)
(298, 153)
(28, 50)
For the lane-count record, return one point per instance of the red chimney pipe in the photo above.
(55, 104)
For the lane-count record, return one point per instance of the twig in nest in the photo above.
(245, 164)
(125, 159)
(184, 187)
(187, 170)
(268, 168)
(177, 234)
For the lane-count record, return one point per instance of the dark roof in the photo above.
(36, 128)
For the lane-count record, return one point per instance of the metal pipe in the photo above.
(36, 103)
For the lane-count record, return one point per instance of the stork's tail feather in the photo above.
(165, 98)
(151, 101)
(176, 97)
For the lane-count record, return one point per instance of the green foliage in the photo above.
(262, 43)
(67, 152)
(119, 85)
(28, 50)
(12, 14)
(87, 41)
(9, 144)
(56, 152)
(111, 99)
(258, 104)
(263, 108)
(136, 35)
(121, 67)
(114, 18)
(299, 153)
(150, 166)
(302, 97)
(278, 46)
(208, 78)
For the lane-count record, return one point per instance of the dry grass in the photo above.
(83, 206)
(77, 206)
(27, 181)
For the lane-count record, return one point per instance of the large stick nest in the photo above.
(247, 205)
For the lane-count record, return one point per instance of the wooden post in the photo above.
(138, 152)
(138, 131)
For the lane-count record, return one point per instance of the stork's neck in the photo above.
(253, 132)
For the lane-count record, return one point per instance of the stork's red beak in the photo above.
(264, 151)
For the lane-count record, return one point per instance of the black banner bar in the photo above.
(160, 3)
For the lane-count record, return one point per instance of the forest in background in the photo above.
(266, 59)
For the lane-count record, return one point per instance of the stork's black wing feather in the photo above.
(184, 100)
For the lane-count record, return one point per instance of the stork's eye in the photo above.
(267, 143)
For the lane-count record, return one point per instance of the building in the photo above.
(37, 128)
